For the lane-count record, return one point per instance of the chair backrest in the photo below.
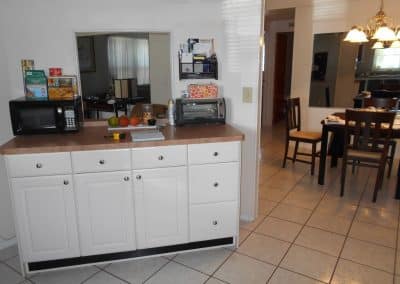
(386, 103)
(368, 129)
(293, 119)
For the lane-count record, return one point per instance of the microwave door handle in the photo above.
(60, 121)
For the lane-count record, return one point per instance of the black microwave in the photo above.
(30, 116)
(194, 111)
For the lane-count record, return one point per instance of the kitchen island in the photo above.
(81, 199)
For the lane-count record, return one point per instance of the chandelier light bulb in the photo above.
(378, 45)
(384, 33)
(395, 44)
(356, 35)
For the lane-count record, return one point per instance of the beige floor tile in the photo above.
(174, 273)
(309, 262)
(283, 276)
(273, 194)
(280, 229)
(304, 198)
(336, 206)
(250, 226)
(283, 179)
(8, 253)
(291, 213)
(397, 268)
(331, 223)
(76, 275)
(264, 248)
(322, 241)
(397, 279)
(9, 276)
(384, 201)
(350, 272)
(265, 206)
(369, 254)
(206, 261)
(380, 217)
(240, 269)
(373, 233)
(243, 234)
(104, 278)
(136, 271)
(14, 263)
(214, 281)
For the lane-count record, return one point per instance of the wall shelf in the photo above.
(207, 69)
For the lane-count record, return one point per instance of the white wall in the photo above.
(323, 16)
(45, 31)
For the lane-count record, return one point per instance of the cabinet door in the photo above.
(105, 212)
(46, 219)
(161, 197)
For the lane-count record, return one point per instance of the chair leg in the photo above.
(392, 153)
(353, 167)
(314, 152)
(286, 153)
(379, 180)
(343, 176)
(296, 148)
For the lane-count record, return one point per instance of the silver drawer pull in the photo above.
(138, 177)
(66, 182)
(102, 162)
(161, 157)
(126, 178)
(39, 165)
(215, 222)
(216, 154)
(216, 184)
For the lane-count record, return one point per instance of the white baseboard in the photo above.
(7, 243)
(246, 218)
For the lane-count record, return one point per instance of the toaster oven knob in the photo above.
(39, 165)
(160, 158)
(215, 222)
(66, 182)
(102, 162)
(126, 178)
(216, 184)
(138, 177)
(215, 154)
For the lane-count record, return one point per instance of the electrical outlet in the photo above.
(247, 95)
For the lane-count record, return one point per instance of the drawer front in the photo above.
(101, 161)
(28, 165)
(159, 157)
(213, 221)
(214, 152)
(214, 182)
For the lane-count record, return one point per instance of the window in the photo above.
(387, 59)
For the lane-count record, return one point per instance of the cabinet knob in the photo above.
(216, 184)
(138, 177)
(215, 222)
(66, 182)
(215, 154)
(39, 165)
(161, 157)
(126, 178)
(102, 162)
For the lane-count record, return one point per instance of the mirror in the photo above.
(119, 70)
(342, 73)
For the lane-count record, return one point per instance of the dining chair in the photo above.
(294, 133)
(387, 104)
(367, 136)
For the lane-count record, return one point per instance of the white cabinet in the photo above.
(161, 198)
(46, 219)
(105, 212)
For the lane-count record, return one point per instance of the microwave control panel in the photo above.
(70, 121)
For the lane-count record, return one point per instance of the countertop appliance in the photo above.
(45, 116)
(193, 111)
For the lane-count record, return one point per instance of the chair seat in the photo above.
(364, 155)
(306, 135)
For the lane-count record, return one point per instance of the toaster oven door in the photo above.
(203, 111)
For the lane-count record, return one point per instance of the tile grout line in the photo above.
(349, 229)
(158, 270)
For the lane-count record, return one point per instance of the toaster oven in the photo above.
(194, 111)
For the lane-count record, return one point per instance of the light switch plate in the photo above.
(247, 94)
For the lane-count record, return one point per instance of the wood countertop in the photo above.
(92, 138)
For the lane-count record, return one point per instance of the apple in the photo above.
(123, 121)
(113, 121)
(134, 121)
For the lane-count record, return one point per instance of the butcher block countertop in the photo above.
(92, 138)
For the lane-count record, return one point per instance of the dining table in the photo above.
(337, 129)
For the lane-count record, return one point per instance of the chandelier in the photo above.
(380, 29)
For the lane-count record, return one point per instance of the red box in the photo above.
(55, 71)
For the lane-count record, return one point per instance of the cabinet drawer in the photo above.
(213, 221)
(214, 152)
(214, 182)
(159, 157)
(101, 161)
(39, 164)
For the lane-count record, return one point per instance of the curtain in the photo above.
(129, 58)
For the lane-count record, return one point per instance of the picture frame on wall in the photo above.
(86, 54)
